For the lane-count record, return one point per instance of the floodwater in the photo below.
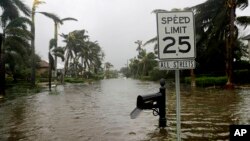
(100, 112)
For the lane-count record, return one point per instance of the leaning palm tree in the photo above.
(10, 11)
(36, 3)
(57, 22)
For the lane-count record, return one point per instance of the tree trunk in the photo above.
(50, 71)
(229, 45)
(193, 84)
(2, 66)
(55, 37)
(33, 65)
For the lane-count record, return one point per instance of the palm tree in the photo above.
(57, 21)
(139, 43)
(107, 67)
(56, 52)
(215, 20)
(74, 42)
(10, 11)
(36, 3)
(147, 60)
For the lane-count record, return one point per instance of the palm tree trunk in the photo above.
(33, 65)
(193, 84)
(50, 71)
(55, 37)
(230, 44)
(2, 66)
(65, 66)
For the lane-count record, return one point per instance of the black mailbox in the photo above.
(149, 101)
(155, 102)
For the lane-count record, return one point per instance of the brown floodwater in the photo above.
(100, 112)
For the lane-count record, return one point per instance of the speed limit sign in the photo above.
(176, 35)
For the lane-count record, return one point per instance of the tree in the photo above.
(107, 67)
(82, 55)
(216, 20)
(57, 22)
(36, 3)
(10, 11)
(56, 52)
(74, 41)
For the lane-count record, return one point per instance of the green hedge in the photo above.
(74, 80)
(241, 76)
(208, 81)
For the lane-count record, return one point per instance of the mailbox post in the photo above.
(155, 102)
(162, 107)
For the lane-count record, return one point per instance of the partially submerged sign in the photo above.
(176, 35)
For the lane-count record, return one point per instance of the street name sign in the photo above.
(176, 35)
(177, 64)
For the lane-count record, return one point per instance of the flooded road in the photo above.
(100, 112)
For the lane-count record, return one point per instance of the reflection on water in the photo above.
(100, 112)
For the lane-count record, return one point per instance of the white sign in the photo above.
(176, 64)
(176, 35)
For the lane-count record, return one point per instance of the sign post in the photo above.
(176, 48)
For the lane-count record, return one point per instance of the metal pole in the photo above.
(178, 104)
(162, 107)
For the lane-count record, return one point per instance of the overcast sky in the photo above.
(115, 24)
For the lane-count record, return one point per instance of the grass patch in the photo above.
(21, 88)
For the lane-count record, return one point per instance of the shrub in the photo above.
(241, 76)
(157, 74)
(208, 81)
(74, 80)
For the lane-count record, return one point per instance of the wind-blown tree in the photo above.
(107, 67)
(81, 53)
(147, 61)
(215, 23)
(91, 56)
(36, 3)
(139, 43)
(59, 51)
(57, 22)
(73, 42)
(10, 11)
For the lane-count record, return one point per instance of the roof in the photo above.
(246, 37)
(43, 64)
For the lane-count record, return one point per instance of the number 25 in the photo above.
(181, 42)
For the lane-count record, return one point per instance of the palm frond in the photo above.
(59, 55)
(159, 10)
(151, 41)
(243, 21)
(21, 6)
(19, 22)
(68, 19)
(51, 16)
(59, 50)
(242, 4)
(52, 43)
(19, 32)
